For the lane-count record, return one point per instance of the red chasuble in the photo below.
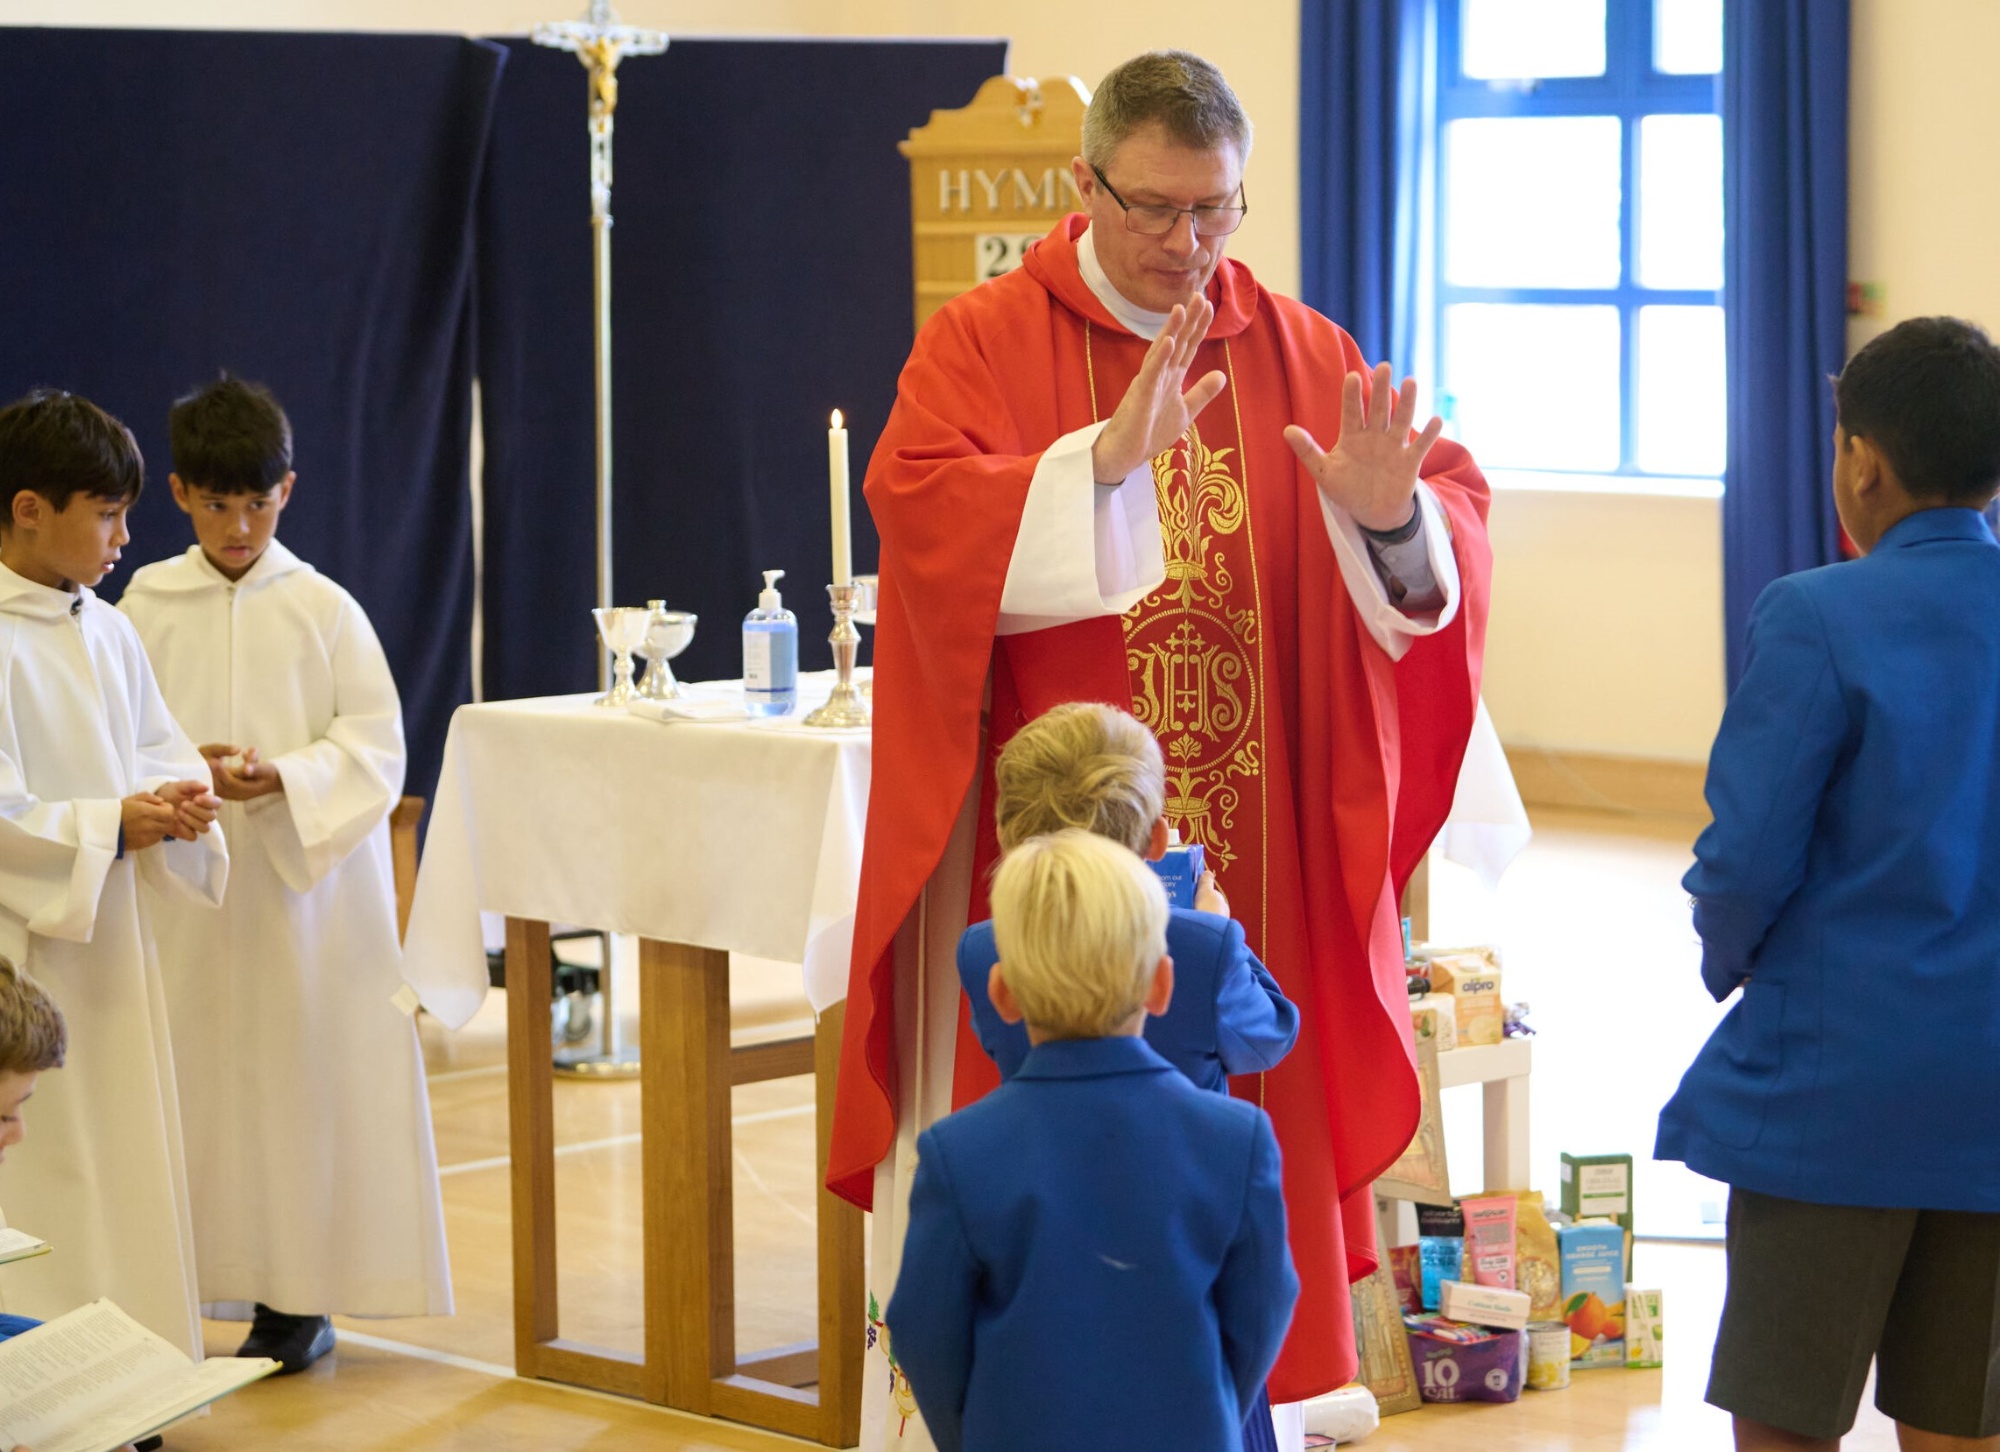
(1315, 769)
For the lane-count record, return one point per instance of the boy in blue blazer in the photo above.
(1096, 1255)
(1090, 766)
(1850, 887)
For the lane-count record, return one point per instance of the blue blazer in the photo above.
(1228, 1015)
(1850, 886)
(1096, 1259)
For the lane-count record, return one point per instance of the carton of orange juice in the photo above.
(1593, 1291)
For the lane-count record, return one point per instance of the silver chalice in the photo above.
(623, 628)
(668, 633)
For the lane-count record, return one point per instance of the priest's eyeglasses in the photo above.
(1151, 220)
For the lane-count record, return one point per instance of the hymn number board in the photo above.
(989, 179)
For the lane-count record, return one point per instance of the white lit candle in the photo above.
(836, 464)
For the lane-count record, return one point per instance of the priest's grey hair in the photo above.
(1175, 88)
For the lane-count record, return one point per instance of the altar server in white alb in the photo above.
(310, 1158)
(99, 792)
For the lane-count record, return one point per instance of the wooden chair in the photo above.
(403, 851)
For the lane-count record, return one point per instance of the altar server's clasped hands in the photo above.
(182, 810)
(248, 779)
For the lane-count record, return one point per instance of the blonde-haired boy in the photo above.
(1092, 767)
(33, 1038)
(1096, 1252)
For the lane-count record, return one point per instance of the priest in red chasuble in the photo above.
(1128, 473)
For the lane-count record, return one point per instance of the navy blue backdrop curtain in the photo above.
(297, 209)
(1784, 137)
(1365, 114)
(762, 279)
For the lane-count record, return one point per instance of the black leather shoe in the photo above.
(149, 1444)
(294, 1342)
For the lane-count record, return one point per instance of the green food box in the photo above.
(1599, 1187)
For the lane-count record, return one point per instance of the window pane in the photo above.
(1687, 37)
(1680, 201)
(1534, 387)
(1681, 413)
(1523, 39)
(1533, 201)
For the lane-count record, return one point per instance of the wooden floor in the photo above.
(1588, 890)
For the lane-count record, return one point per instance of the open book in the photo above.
(96, 1379)
(19, 1245)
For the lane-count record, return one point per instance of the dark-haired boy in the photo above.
(310, 1162)
(1850, 886)
(98, 788)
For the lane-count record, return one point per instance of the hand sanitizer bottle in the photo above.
(770, 653)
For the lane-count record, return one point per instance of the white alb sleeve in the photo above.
(1083, 550)
(1389, 626)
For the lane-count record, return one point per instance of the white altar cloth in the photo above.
(741, 836)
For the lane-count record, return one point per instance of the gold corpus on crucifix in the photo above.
(600, 42)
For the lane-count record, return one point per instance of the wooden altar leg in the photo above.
(684, 1104)
(531, 1141)
(843, 1290)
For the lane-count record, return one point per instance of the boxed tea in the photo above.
(1483, 1305)
(1598, 1187)
(1593, 1292)
(1642, 1327)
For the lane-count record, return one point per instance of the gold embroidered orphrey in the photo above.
(1192, 648)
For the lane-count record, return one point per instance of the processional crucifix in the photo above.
(600, 42)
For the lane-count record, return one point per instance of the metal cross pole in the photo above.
(600, 42)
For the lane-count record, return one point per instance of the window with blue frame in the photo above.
(1577, 302)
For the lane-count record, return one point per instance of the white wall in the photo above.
(1606, 632)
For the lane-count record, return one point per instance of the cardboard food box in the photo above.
(1180, 871)
(1434, 1016)
(1642, 1327)
(1473, 982)
(1483, 1305)
(1593, 1292)
(1599, 1187)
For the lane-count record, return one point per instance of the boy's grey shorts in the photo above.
(1818, 1291)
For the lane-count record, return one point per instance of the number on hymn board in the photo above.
(999, 253)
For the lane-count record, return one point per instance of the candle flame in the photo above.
(838, 422)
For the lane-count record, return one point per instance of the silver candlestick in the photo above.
(846, 706)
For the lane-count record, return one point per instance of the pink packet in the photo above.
(1489, 1239)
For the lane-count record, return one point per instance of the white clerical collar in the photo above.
(1135, 318)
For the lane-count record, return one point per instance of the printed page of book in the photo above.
(19, 1245)
(95, 1379)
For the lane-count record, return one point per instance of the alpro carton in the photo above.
(1593, 1292)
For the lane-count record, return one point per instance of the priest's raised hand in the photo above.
(1371, 471)
(1157, 409)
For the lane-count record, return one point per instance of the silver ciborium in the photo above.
(623, 628)
(667, 635)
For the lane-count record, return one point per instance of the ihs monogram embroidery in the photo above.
(1191, 651)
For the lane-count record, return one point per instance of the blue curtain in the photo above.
(1366, 108)
(298, 209)
(1784, 128)
(762, 279)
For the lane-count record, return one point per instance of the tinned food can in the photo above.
(1548, 1355)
